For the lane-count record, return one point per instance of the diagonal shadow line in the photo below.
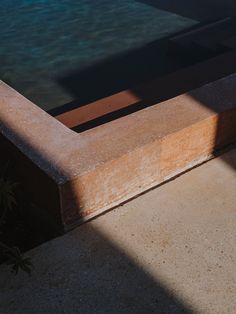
(158, 90)
(124, 286)
(123, 71)
(201, 10)
(106, 78)
(130, 287)
(225, 133)
(226, 126)
(148, 294)
(106, 277)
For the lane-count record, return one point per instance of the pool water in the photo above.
(44, 43)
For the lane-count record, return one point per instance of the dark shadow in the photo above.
(116, 74)
(102, 278)
(169, 86)
(200, 10)
(142, 71)
(93, 274)
(106, 278)
(125, 71)
(141, 65)
(220, 101)
(225, 134)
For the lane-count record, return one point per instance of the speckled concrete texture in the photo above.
(98, 169)
(171, 250)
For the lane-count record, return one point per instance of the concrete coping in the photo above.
(64, 154)
(115, 161)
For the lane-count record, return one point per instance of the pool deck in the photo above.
(171, 250)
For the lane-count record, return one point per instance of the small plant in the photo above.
(7, 198)
(8, 203)
(16, 259)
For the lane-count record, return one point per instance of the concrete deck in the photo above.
(171, 250)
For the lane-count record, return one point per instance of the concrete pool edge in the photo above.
(83, 175)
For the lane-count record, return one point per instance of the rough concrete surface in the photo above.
(171, 250)
(100, 168)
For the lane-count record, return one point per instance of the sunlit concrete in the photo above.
(78, 176)
(171, 250)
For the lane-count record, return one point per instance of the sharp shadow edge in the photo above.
(121, 72)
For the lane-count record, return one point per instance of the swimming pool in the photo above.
(42, 42)
(121, 159)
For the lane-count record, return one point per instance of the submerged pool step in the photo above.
(129, 101)
(229, 42)
(205, 41)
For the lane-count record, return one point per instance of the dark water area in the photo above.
(56, 51)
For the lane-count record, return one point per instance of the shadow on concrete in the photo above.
(139, 66)
(106, 78)
(167, 87)
(91, 275)
(86, 272)
(141, 71)
(201, 10)
(105, 279)
(95, 275)
(102, 277)
(226, 124)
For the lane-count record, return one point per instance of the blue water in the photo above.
(42, 41)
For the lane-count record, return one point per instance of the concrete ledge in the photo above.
(82, 175)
